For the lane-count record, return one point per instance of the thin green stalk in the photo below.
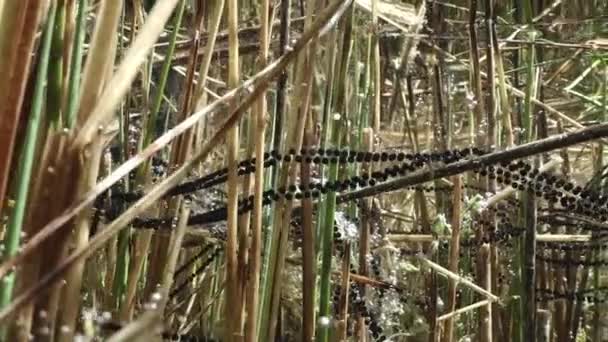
(327, 237)
(76, 68)
(122, 250)
(15, 224)
(327, 232)
(277, 178)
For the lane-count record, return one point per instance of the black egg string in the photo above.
(602, 232)
(314, 156)
(575, 245)
(587, 295)
(312, 190)
(199, 270)
(521, 176)
(567, 262)
(409, 163)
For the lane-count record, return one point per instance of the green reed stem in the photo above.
(76, 68)
(327, 231)
(15, 224)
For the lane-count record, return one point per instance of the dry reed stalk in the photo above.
(458, 279)
(452, 314)
(486, 311)
(98, 58)
(48, 187)
(124, 75)
(454, 254)
(71, 292)
(53, 251)
(255, 252)
(100, 55)
(174, 250)
(136, 264)
(233, 308)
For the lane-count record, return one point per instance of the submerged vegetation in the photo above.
(343, 170)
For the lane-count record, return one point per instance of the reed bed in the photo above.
(344, 170)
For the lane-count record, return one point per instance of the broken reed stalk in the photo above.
(260, 83)
(451, 315)
(460, 280)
